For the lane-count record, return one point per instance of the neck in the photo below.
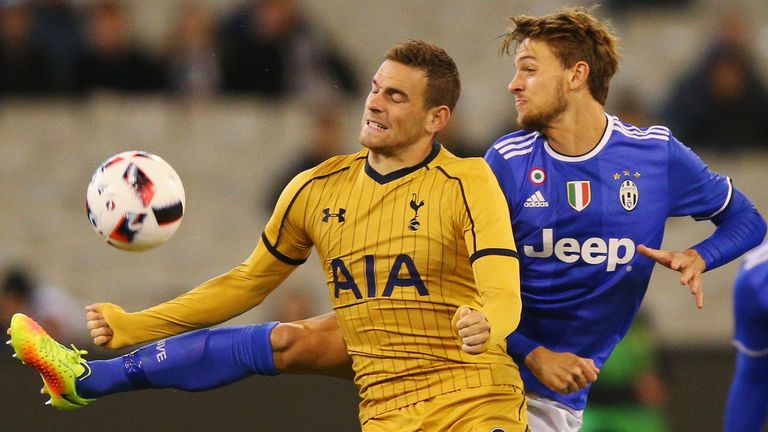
(578, 130)
(385, 162)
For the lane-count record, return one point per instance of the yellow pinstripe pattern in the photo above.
(397, 259)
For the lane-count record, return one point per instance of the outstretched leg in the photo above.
(195, 361)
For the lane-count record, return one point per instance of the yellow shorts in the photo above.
(477, 409)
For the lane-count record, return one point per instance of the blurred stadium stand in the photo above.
(229, 150)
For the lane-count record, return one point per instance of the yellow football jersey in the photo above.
(398, 251)
(401, 252)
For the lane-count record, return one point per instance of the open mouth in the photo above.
(375, 125)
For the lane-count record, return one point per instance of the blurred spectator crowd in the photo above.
(60, 313)
(718, 104)
(274, 49)
(261, 48)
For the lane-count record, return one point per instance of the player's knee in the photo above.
(284, 336)
(291, 344)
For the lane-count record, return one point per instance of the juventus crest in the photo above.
(628, 195)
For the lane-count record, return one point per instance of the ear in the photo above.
(579, 75)
(438, 118)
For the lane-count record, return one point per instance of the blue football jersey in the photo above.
(750, 304)
(747, 406)
(577, 222)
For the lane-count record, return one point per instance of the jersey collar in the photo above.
(402, 172)
(603, 141)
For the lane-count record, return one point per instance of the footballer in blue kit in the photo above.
(589, 196)
(578, 221)
(747, 406)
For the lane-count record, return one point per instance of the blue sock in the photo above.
(195, 361)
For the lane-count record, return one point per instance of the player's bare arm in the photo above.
(689, 263)
(561, 371)
(474, 330)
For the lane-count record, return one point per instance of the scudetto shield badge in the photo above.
(628, 195)
(579, 194)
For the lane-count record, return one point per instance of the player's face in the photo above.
(538, 85)
(395, 117)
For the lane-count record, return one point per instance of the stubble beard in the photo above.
(542, 120)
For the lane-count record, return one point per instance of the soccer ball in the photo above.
(135, 201)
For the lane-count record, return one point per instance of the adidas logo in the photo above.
(536, 200)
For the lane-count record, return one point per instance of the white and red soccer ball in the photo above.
(135, 201)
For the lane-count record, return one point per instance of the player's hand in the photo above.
(473, 328)
(100, 330)
(561, 371)
(689, 263)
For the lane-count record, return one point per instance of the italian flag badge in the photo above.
(579, 194)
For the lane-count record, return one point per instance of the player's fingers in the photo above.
(646, 251)
(96, 323)
(459, 317)
(476, 339)
(590, 374)
(579, 380)
(686, 274)
(466, 331)
(680, 262)
(473, 324)
(93, 316)
(690, 276)
(482, 328)
(575, 374)
(473, 349)
(94, 307)
(661, 257)
(101, 331)
(555, 384)
(465, 323)
(102, 340)
(470, 318)
(697, 290)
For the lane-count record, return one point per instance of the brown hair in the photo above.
(443, 83)
(574, 35)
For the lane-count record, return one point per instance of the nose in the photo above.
(373, 102)
(515, 86)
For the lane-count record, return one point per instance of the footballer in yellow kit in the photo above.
(402, 252)
(419, 258)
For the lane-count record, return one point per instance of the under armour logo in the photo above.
(339, 215)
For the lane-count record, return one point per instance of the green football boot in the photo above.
(59, 366)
